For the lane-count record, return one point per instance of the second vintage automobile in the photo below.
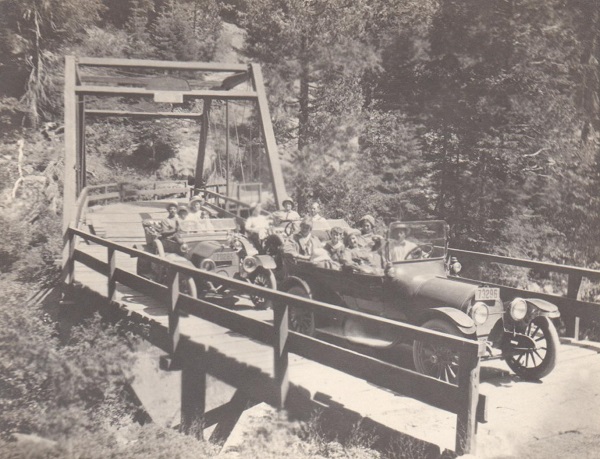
(409, 281)
(212, 245)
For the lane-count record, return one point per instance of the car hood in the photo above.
(205, 249)
(426, 283)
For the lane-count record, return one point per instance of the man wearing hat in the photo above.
(288, 214)
(400, 247)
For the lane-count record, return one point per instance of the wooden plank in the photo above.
(280, 353)
(468, 385)
(583, 309)
(572, 319)
(112, 265)
(104, 197)
(193, 94)
(193, 395)
(591, 274)
(70, 159)
(130, 114)
(156, 64)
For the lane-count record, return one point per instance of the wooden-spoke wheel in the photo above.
(300, 320)
(187, 285)
(263, 278)
(539, 359)
(435, 360)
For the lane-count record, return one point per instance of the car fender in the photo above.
(543, 307)
(291, 281)
(266, 261)
(463, 322)
(174, 258)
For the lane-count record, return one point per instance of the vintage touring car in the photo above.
(212, 245)
(409, 281)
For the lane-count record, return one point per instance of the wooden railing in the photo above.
(463, 399)
(571, 308)
(125, 192)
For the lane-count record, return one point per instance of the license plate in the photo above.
(224, 256)
(487, 294)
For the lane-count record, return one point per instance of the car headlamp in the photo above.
(183, 248)
(455, 266)
(208, 264)
(480, 313)
(250, 264)
(518, 309)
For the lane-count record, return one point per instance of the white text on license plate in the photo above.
(487, 293)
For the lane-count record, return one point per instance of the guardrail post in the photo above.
(112, 265)
(193, 394)
(468, 387)
(68, 263)
(173, 283)
(280, 316)
(571, 319)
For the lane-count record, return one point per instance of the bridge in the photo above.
(488, 410)
(254, 352)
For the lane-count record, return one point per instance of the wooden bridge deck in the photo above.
(521, 414)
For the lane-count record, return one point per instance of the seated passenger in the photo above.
(170, 224)
(303, 244)
(315, 212)
(400, 247)
(195, 209)
(288, 214)
(183, 213)
(335, 246)
(361, 258)
(168, 228)
(257, 225)
(368, 237)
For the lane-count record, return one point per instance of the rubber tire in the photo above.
(549, 360)
(307, 317)
(188, 286)
(270, 282)
(443, 326)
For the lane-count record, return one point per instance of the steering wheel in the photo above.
(289, 229)
(419, 252)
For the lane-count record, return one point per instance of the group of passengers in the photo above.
(357, 249)
(181, 218)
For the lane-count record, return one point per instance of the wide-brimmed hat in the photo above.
(290, 200)
(196, 199)
(367, 218)
(172, 203)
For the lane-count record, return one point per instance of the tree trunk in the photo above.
(303, 100)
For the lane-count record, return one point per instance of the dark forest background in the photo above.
(484, 113)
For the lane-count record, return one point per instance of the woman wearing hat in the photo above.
(195, 209)
(368, 237)
(288, 214)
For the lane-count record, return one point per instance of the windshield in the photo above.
(416, 240)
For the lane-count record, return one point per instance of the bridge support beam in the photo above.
(571, 320)
(193, 394)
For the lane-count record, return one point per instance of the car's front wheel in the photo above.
(300, 320)
(263, 278)
(537, 357)
(435, 360)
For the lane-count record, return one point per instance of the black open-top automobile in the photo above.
(410, 282)
(212, 245)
